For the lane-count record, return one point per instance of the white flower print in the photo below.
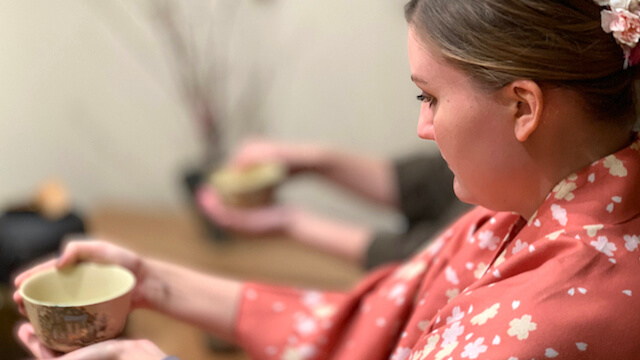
(551, 353)
(423, 325)
(472, 230)
(436, 246)
(501, 258)
(312, 298)
(324, 311)
(397, 291)
(488, 313)
(480, 270)
(446, 351)
(559, 214)
(555, 235)
(432, 341)
(451, 293)
(306, 325)
(564, 190)
(631, 242)
(615, 200)
(401, 353)
(615, 166)
(519, 246)
(592, 230)
(450, 334)
(604, 246)
(451, 276)
(474, 349)
(411, 270)
(496, 273)
(302, 352)
(521, 327)
(456, 315)
(532, 218)
(487, 240)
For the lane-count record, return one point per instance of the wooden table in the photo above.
(177, 236)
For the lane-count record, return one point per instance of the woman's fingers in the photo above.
(116, 350)
(254, 151)
(17, 298)
(23, 276)
(210, 202)
(254, 220)
(99, 252)
(28, 338)
(77, 251)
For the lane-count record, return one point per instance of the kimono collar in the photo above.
(603, 193)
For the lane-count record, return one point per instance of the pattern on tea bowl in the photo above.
(66, 329)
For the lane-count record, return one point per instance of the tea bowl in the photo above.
(78, 306)
(248, 187)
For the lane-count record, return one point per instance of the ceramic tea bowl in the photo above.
(249, 187)
(78, 306)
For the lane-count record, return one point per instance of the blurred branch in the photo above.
(197, 37)
(199, 74)
(194, 78)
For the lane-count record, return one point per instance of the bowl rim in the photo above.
(225, 179)
(39, 274)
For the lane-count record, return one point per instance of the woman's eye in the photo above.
(427, 99)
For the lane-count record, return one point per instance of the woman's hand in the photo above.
(253, 221)
(98, 252)
(107, 350)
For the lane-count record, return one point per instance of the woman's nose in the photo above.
(425, 129)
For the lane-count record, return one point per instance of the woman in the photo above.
(531, 103)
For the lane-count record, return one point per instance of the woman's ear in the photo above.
(528, 100)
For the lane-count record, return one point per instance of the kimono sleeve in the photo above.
(277, 322)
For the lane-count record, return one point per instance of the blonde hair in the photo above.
(555, 43)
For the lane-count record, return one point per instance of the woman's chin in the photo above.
(461, 191)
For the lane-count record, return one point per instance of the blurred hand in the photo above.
(296, 157)
(254, 221)
(106, 350)
(98, 252)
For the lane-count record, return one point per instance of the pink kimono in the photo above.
(564, 284)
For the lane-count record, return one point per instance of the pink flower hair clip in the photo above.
(622, 19)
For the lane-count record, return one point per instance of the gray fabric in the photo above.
(425, 186)
(427, 201)
(170, 357)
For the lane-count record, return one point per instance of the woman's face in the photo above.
(474, 129)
